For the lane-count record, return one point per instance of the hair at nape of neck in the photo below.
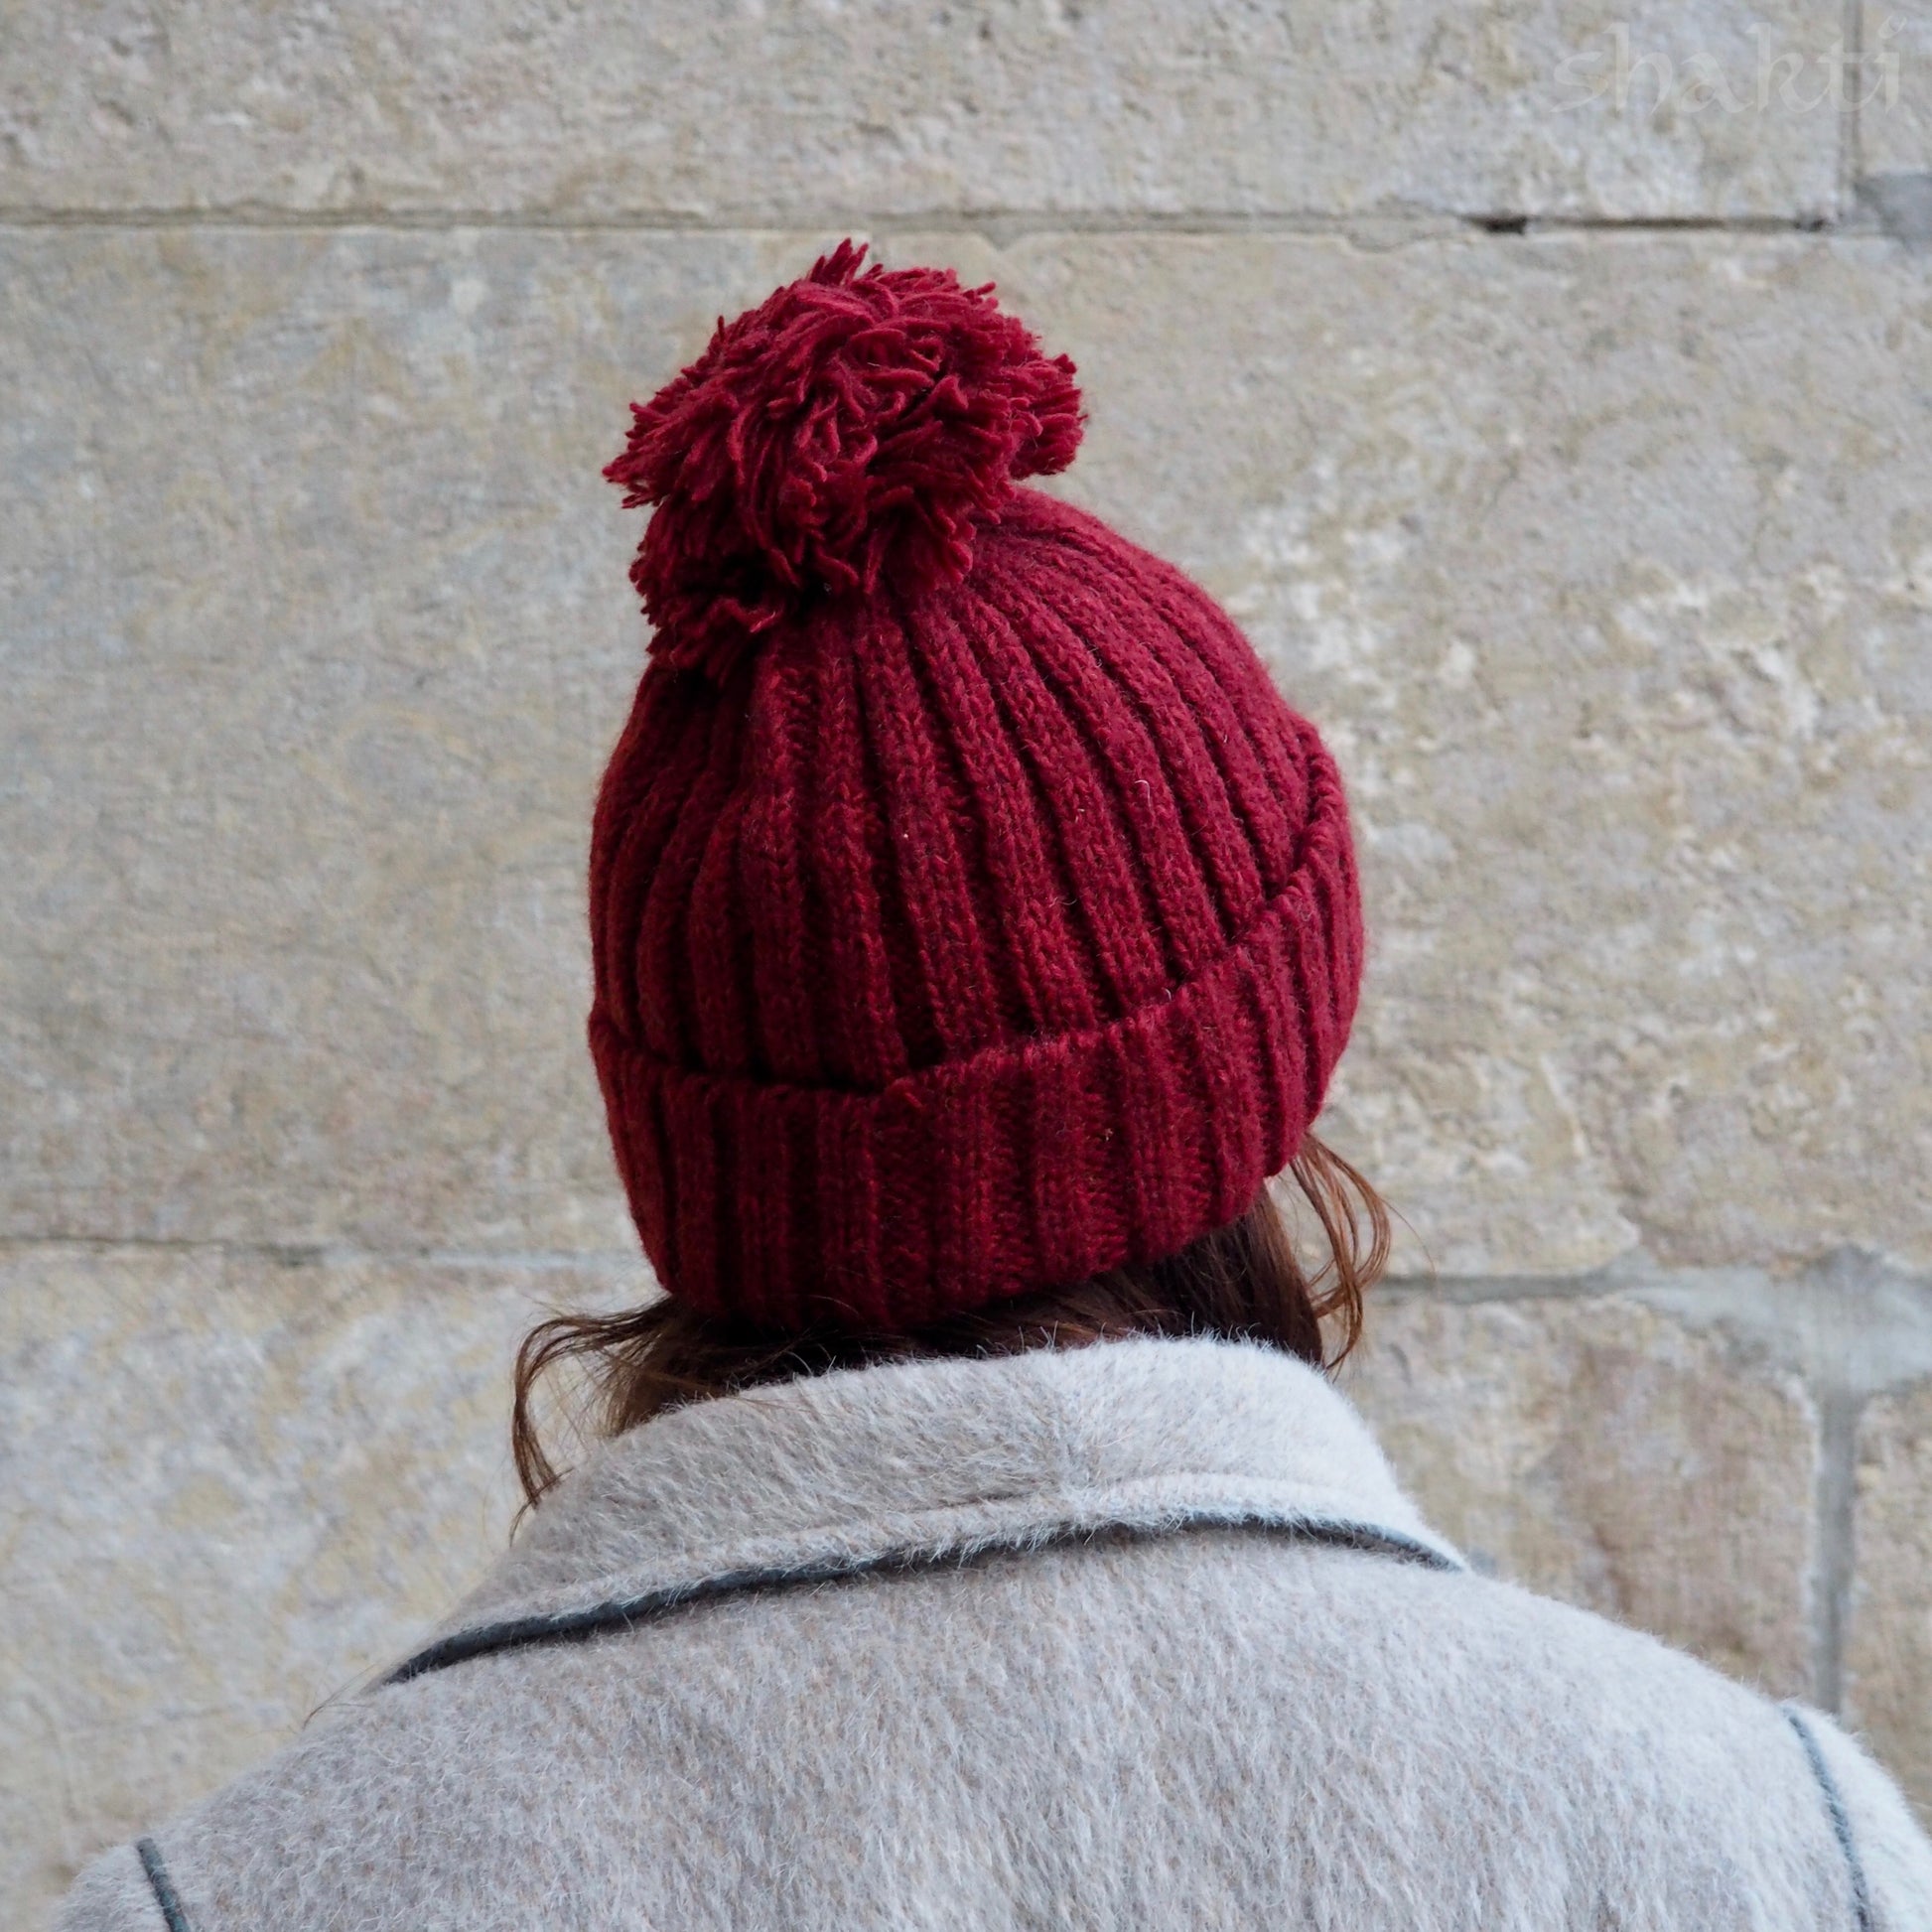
(1248, 1281)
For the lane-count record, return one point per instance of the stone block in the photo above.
(1597, 558)
(1894, 93)
(1596, 1452)
(320, 634)
(792, 112)
(1888, 1647)
(235, 1484)
(1601, 563)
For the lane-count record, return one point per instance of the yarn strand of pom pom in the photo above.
(862, 424)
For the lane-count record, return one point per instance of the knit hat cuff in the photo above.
(1025, 1165)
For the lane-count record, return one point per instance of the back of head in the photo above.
(970, 914)
(975, 927)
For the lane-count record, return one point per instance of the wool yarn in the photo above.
(970, 914)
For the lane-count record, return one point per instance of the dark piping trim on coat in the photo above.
(1841, 1819)
(163, 1887)
(621, 1612)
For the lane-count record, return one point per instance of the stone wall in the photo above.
(1549, 391)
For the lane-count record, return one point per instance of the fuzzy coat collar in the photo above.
(931, 1462)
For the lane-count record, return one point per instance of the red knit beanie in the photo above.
(970, 913)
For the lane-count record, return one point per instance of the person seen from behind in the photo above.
(978, 1539)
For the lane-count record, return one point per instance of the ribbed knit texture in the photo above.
(961, 934)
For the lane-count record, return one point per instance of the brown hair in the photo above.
(1244, 1281)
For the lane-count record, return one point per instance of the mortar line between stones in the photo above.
(1454, 1289)
(1851, 134)
(1832, 1570)
(315, 1254)
(998, 227)
(298, 1253)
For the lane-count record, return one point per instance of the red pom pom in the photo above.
(854, 426)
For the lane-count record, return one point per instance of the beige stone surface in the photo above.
(319, 636)
(1601, 560)
(235, 1484)
(1888, 1649)
(1895, 91)
(1603, 557)
(795, 111)
(1596, 1452)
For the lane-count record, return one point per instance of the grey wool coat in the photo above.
(1141, 1634)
